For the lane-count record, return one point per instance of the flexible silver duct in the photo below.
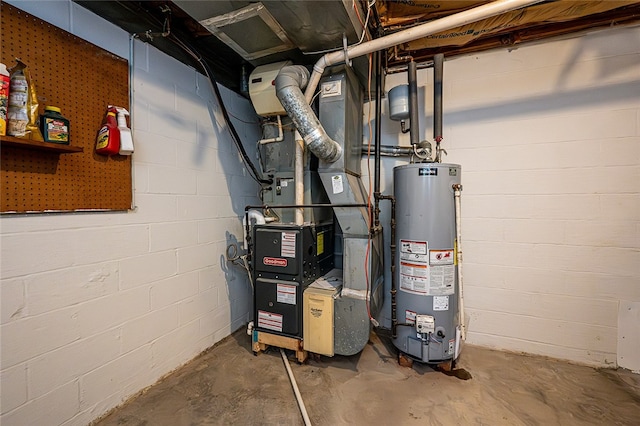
(289, 84)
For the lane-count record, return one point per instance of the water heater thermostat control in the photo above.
(425, 324)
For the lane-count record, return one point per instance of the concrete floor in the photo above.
(228, 385)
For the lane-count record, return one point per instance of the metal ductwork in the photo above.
(289, 84)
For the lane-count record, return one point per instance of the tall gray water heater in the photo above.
(426, 276)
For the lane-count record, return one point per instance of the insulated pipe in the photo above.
(438, 62)
(471, 15)
(457, 190)
(412, 72)
(289, 83)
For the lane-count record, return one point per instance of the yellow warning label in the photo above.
(320, 243)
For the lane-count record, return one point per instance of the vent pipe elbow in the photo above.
(289, 84)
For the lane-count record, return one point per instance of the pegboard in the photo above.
(81, 79)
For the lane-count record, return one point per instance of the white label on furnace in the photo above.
(286, 294)
(441, 257)
(409, 317)
(336, 183)
(440, 303)
(442, 281)
(288, 244)
(414, 278)
(331, 88)
(270, 321)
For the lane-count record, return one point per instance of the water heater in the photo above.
(426, 277)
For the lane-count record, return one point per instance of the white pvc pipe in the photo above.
(299, 178)
(432, 27)
(253, 215)
(457, 189)
(279, 138)
(296, 391)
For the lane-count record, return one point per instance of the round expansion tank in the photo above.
(399, 103)
(426, 277)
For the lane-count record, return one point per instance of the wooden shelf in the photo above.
(40, 146)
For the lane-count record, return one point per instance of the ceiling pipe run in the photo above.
(432, 27)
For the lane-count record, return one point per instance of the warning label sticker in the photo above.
(269, 321)
(413, 247)
(441, 257)
(413, 257)
(414, 278)
(288, 244)
(440, 303)
(442, 281)
(336, 184)
(409, 317)
(286, 294)
(414, 267)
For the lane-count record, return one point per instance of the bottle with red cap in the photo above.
(108, 140)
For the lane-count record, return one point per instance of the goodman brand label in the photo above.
(274, 261)
(427, 171)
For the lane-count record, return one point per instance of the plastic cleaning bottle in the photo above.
(108, 140)
(126, 141)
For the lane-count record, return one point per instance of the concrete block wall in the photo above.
(97, 306)
(548, 136)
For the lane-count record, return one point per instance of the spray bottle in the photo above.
(108, 140)
(126, 141)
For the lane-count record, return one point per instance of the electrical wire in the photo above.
(243, 121)
(216, 91)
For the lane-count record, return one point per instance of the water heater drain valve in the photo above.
(425, 324)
